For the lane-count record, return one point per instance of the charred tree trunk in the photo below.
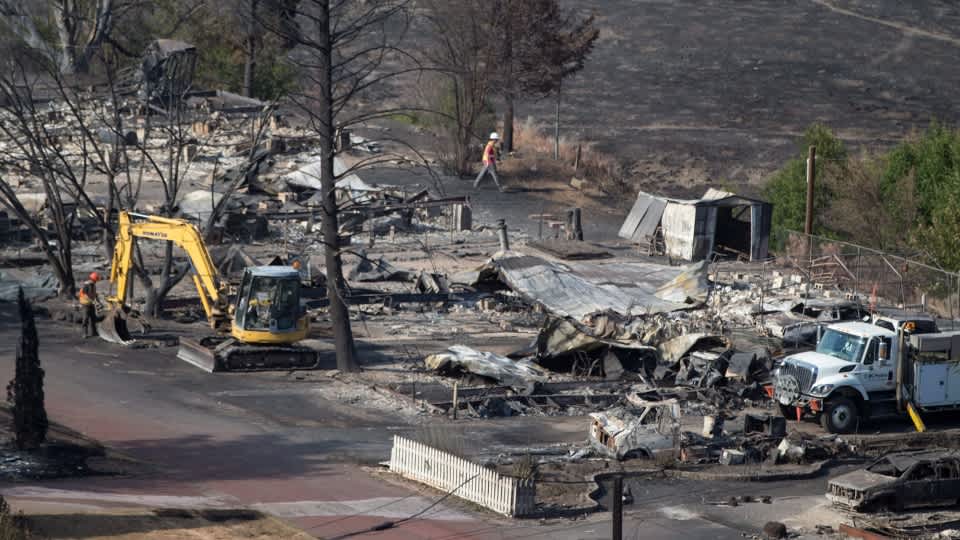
(169, 277)
(112, 201)
(508, 95)
(339, 314)
(250, 65)
(25, 391)
(508, 123)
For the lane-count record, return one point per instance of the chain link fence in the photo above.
(882, 280)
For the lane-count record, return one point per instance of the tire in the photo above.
(840, 415)
(787, 411)
(890, 504)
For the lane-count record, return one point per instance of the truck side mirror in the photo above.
(884, 352)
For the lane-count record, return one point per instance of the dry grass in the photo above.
(12, 527)
(527, 467)
(534, 159)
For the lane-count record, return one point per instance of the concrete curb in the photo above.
(590, 504)
(734, 475)
(590, 498)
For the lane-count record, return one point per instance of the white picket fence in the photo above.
(473, 482)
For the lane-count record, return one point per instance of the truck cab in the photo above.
(851, 369)
(909, 322)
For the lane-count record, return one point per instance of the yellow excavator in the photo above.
(259, 330)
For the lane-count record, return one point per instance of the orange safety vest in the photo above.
(490, 153)
(88, 292)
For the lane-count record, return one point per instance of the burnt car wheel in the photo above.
(839, 415)
(886, 503)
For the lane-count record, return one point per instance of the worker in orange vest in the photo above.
(489, 162)
(88, 303)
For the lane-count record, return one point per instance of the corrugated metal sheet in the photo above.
(648, 225)
(678, 222)
(714, 194)
(643, 219)
(308, 176)
(760, 223)
(632, 220)
(583, 288)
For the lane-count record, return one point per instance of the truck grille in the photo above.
(804, 375)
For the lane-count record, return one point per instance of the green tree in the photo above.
(934, 160)
(940, 239)
(234, 38)
(787, 189)
(68, 32)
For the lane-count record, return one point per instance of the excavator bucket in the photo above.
(198, 354)
(113, 327)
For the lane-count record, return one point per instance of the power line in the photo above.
(391, 524)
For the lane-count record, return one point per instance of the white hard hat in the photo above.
(494, 136)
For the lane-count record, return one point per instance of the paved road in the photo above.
(271, 442)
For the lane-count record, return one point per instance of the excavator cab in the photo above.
(267, 322)
(267, 309)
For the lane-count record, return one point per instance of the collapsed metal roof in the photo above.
(626, 288)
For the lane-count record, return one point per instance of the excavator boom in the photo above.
(185, 235)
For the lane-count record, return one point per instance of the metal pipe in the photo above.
(811, 178)
(617, 505)
(901, 354)
(502, 233)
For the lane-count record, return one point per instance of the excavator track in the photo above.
(217, 354)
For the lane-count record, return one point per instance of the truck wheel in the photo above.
(839, 415)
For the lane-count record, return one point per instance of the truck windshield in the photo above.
(842, 346)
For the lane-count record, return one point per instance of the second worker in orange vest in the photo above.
(88, 304)
(489, 162)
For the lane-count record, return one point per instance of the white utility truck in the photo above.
(860, 370)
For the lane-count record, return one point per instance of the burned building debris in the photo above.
(167, 70)
(520, 376)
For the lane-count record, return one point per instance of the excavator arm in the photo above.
(185, 235)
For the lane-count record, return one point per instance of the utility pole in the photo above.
(617, 533)
(556, 125)
(811, 178)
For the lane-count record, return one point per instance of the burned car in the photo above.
(642, 430)
(899, 481)
(799, 324)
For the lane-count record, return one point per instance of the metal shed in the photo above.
(719, 222)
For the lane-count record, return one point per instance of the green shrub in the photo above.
(787, 189)
(906, 198)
